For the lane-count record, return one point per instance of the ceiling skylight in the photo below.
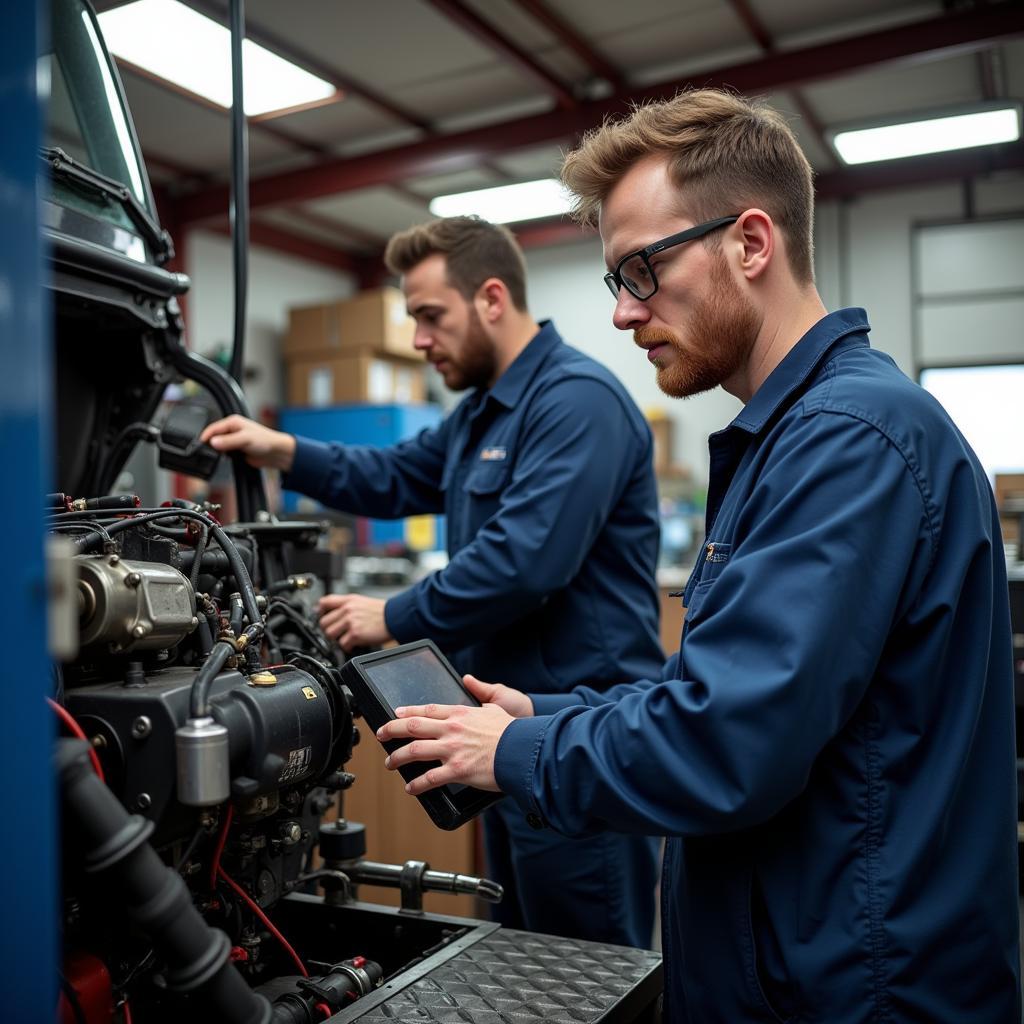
(931, 135)
(184, 47)
(507, 204)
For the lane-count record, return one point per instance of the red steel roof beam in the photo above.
(756, 28)
(459, 13)
(569, 37)
(272, 237)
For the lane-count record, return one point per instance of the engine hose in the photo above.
(115, 850)
(238, 568)
(199, 696)
(197, 559)
(237, 613)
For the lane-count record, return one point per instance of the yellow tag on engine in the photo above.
(309, 693)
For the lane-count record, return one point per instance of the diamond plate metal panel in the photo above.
(514, 977)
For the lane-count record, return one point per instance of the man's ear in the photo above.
(758, 239)
(492, 300)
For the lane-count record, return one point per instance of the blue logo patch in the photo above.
(493, 454)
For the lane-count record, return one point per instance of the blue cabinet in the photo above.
(379, 426)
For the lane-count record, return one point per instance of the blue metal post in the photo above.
(29, 878)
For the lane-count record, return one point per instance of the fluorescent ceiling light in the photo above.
(178, 44)
(507, 203)
(934, 135)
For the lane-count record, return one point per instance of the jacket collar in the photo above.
(800, 362)
(512, 384)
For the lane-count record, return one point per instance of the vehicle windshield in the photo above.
(87, 118)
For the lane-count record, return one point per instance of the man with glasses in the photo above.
(544, 474)
(831, 752)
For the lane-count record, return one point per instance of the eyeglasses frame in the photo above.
(614, 277)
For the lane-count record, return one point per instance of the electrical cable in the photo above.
(190, 849)
(126, 1011)
(72, 997)
(82, 524)
(76, 730)
(219, 848)
(267, 923)
(142, 516)
(199, 697)
(140, 966)
(288, 611)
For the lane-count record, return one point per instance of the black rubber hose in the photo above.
(197, 558)
(238, 568)
(203, 632)
(115, 849)
(199, 696)
(237, 613)
(238, 206)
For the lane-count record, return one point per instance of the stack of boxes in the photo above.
(354, 377)
(356, 350)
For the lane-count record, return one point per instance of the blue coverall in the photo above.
(832, 751)
(548, 489)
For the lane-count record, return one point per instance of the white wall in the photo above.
(276, 282)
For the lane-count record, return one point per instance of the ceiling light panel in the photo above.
(184, 47)
(931, 135)
(507, 204)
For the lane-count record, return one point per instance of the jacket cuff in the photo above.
(515, 761)
(402, 617)
(310, 467)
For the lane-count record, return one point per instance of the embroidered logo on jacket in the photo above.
(493, 454)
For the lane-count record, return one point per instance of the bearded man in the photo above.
(544, 473)
(831, 752)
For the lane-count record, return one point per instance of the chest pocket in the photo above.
(484, 486)
(714, 558)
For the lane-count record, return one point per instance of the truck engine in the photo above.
(216, 730)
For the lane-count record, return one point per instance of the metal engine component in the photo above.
(203, 765)
(132, 606)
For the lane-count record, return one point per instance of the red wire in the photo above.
(73, 727)
(258, 911)
(221, 839)
(127, 1012)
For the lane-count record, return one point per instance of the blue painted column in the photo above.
(29, 879)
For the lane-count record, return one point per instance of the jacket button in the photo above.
(534, 820)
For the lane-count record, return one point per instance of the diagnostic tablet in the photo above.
(411, 675)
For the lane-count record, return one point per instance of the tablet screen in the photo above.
(415, 678)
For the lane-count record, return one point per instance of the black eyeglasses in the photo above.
(634, 271)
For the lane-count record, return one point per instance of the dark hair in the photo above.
(726, 152)
(474, 250)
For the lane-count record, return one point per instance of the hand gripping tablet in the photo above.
(414, 674)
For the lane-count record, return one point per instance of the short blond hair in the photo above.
(727, 152)
(474, 250)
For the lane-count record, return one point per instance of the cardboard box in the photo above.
(1009, 488)
(661, 428)
(339, 379)
(370, 322)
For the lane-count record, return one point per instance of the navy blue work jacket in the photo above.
(832, 749)
(552, 523)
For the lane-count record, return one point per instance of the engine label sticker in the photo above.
(296, 765)
(309, 693)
